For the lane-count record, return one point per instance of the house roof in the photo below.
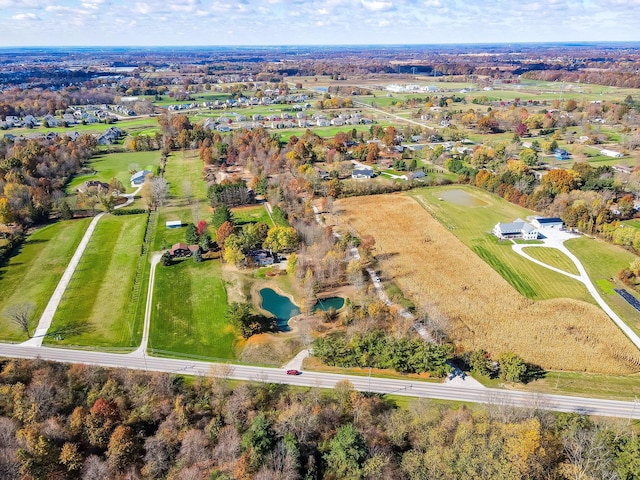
(517, 226)
(543, 221)
(183, 246)
(140, 174)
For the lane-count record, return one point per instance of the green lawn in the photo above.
(184, 173)
(603, 261)
(116, 165)
(34, 272)
(189, 311)
(552, 257)
(252, 214)
(100, 290)
(472, 223)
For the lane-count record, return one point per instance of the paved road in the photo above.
(555, 239)
(609, 408)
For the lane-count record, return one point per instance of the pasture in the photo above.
(252, 214)
(33, 273)
(100, 289)
(189, 312)
(446, 279)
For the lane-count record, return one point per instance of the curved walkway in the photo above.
(556, 239)
(47, 315)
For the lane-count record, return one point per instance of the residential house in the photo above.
(138, 178)
(362, 172)
(623, 169)
(517, 229)
(179, 250)
(611, 153)
(561, 154)
(97, 184)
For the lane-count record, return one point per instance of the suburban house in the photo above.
(362, 173)
(517, 229)
(183, 250)
(261, 257)
(137, 178)
(97, 184)
(550, 222)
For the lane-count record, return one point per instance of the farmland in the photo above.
(440, 274)
(531, 280)
(99, 291)
(33, 273)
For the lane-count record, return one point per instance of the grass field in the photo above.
(184, 174)
(553, 257)
(34, 272)
(441, 275)
(252, 214)
(116, 165)
(531, 280)
(99, 291)
(189, 311)
(603, 261)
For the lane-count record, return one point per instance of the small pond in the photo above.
(462, 198)
(280, 307)
(283, 308)
(330, 302)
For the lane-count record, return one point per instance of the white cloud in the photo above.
(25, 17)
(377, 5)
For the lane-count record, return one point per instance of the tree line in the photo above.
(82, 422)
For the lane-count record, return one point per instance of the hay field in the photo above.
(437, 271)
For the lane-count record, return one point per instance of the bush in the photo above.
(131, 211)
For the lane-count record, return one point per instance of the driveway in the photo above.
(555, 239)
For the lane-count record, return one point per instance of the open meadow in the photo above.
(440, 274)
(109, 165)
(100, 290)
(189, 312)
(32, 274)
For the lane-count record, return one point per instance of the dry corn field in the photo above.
(437, 271)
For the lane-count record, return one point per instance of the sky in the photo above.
(313, 22)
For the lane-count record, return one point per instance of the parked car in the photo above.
(294, 372)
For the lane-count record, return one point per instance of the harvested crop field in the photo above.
(437, 271)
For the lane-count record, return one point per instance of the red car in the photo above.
(293, 372)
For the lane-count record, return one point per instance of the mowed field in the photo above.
(110, 165)
(439, 273)
(34, 272)
(189, 311)
(100, 289)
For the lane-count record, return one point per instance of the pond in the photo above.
(330, 302)
(280, 307)
(462, 198)
(283, 308)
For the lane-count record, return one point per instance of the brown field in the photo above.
(439, 273)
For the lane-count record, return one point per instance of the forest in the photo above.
(80, 422)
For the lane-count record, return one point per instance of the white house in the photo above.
(362, 173)
(517, 229)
